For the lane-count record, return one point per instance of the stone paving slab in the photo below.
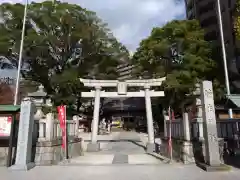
(93, 159)
(143, 159)
(109, 137)
(120, 159)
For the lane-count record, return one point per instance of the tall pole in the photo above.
(170, 134)
(20, 53)
(230, 113)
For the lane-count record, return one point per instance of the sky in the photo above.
(132, 20)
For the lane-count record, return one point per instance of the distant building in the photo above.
(206, 12)
(125, 71)
(8, 76)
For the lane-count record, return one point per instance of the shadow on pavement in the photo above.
(232, 160)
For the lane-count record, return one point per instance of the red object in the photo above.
(9, 119)
(173, 116)
(62, 119)
(5, 126)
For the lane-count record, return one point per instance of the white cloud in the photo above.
(133, 20)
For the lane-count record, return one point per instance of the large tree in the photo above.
(179, 52)
(62, 43)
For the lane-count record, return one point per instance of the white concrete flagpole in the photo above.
(20, 53)
(224, 55)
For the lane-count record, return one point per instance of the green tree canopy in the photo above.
(179, 52)
(237, 20)
(62, 43)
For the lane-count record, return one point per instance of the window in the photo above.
(208, 7)
(209, 21)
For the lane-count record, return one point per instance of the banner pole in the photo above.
(170, 133)
(66, 133)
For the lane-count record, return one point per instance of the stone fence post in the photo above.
(166, 118)
(76, 121)
(49, 126)
(187, 147)
(186, 127)
(41, 130)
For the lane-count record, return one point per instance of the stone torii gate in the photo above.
(122, 92)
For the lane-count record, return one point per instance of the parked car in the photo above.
(116, 123)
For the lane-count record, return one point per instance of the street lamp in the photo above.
(230, 113)
(20, 53)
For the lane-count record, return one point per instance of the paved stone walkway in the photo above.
(111, 164)
(118, 172)
(124, 148)
(125, 143)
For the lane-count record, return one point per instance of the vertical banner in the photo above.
(62, 119)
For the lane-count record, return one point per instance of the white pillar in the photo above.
(96, 115)
(186, 127)
(76, 127)
(187, 155)
(166, 118)
(49, 126)
(94, 146)
(148, 104)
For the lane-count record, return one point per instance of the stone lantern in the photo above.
(39, 98)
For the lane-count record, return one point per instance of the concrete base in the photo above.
(150, 147)
(93, 147)
(187, 155)
(22, 167)
(206, 167)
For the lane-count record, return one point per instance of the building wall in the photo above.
(206, 12)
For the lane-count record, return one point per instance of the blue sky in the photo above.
(132, 20)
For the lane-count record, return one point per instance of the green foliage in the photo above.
(237, 20)
(63, 42)
(190, 64)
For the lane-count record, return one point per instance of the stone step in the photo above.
(143, 159)
(93, 159)
(111, 159)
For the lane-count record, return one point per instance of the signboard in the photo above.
(62, 119)
(5, 126)
(122, 88)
